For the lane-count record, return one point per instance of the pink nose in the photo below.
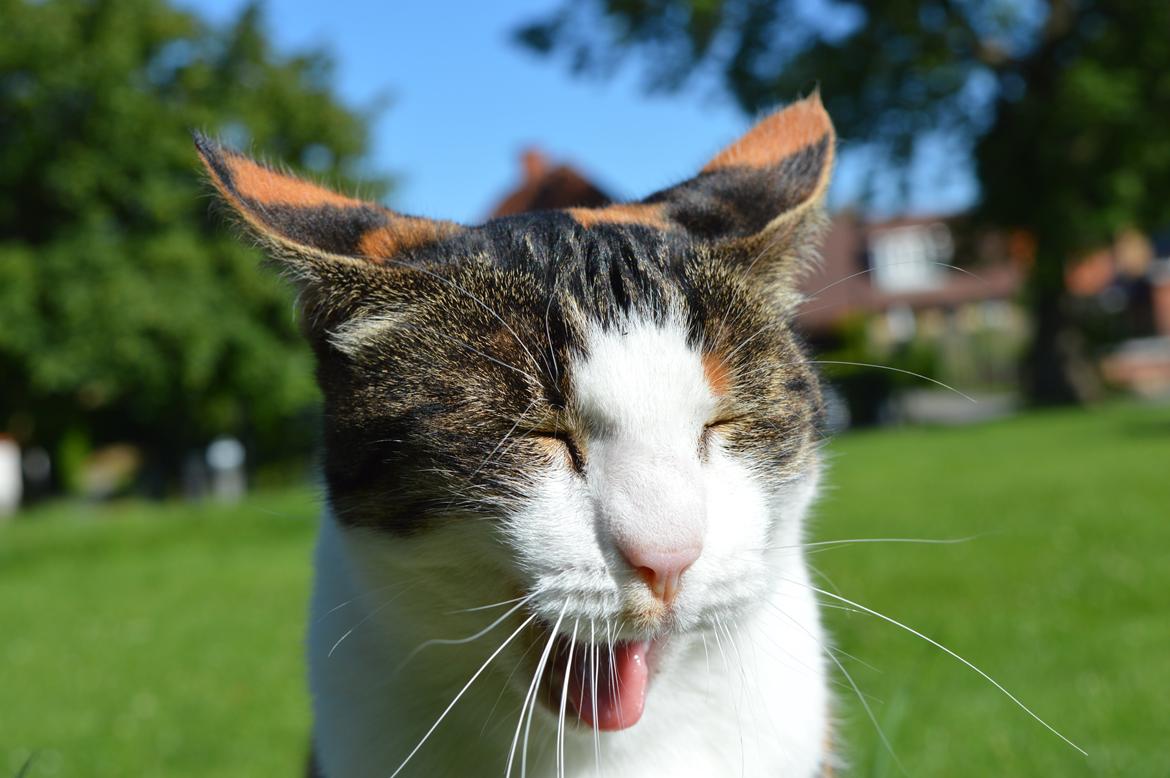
(661, 570)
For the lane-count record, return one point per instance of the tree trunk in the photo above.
(1057, 369)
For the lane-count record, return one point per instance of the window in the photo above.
(908, 259)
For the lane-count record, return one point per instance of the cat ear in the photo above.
(759, 200)
(777, 172)
(342, 252)
(310, 224)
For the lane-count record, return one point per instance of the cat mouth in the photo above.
(600, 685)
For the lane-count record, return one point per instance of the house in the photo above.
(544, 186)
(917, 295)
(909, 274)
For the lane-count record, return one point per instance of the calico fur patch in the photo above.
(437, 343)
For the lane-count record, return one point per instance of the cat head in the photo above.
(605, 407)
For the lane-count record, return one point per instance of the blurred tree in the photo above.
(1063, 104)
(127, 311)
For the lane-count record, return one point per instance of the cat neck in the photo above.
(750, 700)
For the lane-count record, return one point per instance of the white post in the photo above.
(10, 477)
(225, 459)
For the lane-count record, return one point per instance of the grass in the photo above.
(1062, 597)
(155, 640)
(166, 640)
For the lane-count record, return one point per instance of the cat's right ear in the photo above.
(330, 243)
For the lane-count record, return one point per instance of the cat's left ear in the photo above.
(310, 225)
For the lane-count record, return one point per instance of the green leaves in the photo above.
(127, 308)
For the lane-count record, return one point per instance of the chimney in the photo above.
(535, 165)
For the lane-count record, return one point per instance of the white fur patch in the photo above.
(645, 401)
(358, 333)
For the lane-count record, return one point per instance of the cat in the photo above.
(568, 457)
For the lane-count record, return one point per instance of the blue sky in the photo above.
(464, 101)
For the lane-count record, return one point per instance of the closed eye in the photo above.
(565, 442)
(711, 429)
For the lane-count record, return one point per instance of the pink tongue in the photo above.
(621, 685)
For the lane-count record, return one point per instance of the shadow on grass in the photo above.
(1158, 429)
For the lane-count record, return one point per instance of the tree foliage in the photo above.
(1062, 103)
(127, 310)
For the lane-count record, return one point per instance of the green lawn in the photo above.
(145, 640)
(1064, 597)
(156, 640)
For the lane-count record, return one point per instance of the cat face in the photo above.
(606, 405)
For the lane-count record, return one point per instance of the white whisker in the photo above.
(831, 653)
(595, 666)
(918, 541)
(896, 370)
(868, 712)
(947, 265)
(460, 641)
(462, 691)
(493, 605)
(951, 653)
(532, 688)
(564, 702)
(613, 690)
(504, 687)
(364, 619)
(503, 440)
(371, 592)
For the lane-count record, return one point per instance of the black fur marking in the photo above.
(607, 270)
(337, 230)
(737, 202)
(214, 156)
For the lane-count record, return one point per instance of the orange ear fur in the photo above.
(778, 136)
(304, 216)
(620, 213)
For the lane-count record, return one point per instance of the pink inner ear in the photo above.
(778, 136)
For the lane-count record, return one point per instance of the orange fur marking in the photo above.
(624, 213)
(778, 136)
(717, 373)
(267, 187)
(646, 613)
(403, 233)
(252, 182)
